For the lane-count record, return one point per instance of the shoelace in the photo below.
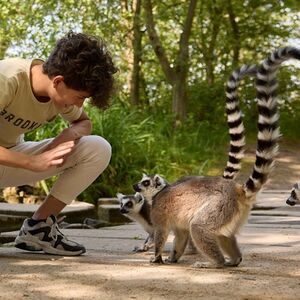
(55, 232)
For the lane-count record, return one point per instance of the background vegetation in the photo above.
(174, 57)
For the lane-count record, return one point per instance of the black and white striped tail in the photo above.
(268, 128)
(235, 121)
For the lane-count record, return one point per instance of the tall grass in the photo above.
(144, 141)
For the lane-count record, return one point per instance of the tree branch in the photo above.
(156, 43)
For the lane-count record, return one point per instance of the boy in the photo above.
(33, 92)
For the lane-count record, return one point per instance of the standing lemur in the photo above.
(275, 61)
(212, 209)
(294, 197)
(138, 207)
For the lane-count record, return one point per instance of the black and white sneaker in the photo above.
(45, 236)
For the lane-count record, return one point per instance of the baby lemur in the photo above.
(294, 197)
(136, 208)
(212, 209)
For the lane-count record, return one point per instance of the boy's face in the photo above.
(64, 96)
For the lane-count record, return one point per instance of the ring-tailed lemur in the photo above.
(235, 121)
(210, 209)
(136, 208)
(274, 62)
(294, 197)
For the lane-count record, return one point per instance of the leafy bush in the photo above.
(146, 142)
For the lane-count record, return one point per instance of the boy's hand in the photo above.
(65, 136)
(49, 158)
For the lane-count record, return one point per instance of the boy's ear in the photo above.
(158, 180)
(57, 79)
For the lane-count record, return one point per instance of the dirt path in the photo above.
(287, 167)
(270, 270)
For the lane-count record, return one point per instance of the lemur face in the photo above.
(150, 185)
(295, 196)
(130, 204)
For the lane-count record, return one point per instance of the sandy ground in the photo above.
(270, 268)
(287, 167)
(270, 243)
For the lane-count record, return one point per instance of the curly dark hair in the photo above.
(85, 64)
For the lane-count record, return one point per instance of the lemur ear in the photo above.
(157, 180)
(139, 197)
(120, 196)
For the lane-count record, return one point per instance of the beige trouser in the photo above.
(89, 158)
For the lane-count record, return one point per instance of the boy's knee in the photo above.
(96, 148)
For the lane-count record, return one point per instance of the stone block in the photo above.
(110, 213)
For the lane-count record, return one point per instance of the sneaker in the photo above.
(46, 236)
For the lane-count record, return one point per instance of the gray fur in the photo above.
(136, 208)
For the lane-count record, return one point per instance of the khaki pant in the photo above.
(89, 158)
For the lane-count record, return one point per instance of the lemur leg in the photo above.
(160, 238)
(230, 247)
(179, 244)
(206, 241)
(191, 248)
(148, 244)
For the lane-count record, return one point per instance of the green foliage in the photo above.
(143, 138)
(143, 141)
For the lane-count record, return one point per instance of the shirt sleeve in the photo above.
(8, 88)
(71, 113)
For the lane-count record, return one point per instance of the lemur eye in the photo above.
(146, 183)
(129, 204)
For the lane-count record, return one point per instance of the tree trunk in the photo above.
(176, 76)
(137, 50)
(235, 34)
(209, 36)
(179, 96)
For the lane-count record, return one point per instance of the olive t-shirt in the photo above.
(20, 111)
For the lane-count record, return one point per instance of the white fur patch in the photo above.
(234, 117)
(237, 130)
(236, 222)
(238, 143)
(231, 95)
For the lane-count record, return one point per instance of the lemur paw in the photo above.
(170, 260)
(233, 263)
(204, 265)
(137, 249)
(157, 260)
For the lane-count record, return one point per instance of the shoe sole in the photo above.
(27, 247)
(38, 245)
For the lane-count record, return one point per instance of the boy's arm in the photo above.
(38, 163)
(77, 129)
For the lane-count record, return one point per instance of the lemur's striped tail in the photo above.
(268, 128)
(235, 121)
